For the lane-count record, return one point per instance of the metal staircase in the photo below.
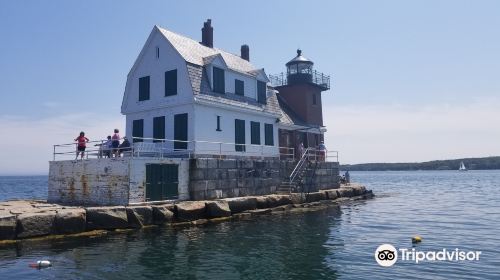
(301, 176)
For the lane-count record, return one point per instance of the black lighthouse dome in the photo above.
(299, 69)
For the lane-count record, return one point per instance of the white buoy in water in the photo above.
(41, 264)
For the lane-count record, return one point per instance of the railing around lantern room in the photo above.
(317, 78)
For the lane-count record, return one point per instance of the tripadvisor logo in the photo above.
(387, 255)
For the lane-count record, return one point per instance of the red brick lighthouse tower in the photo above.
(300, 100)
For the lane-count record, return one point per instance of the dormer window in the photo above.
(219, 80)
(239, 87)
(261, 92)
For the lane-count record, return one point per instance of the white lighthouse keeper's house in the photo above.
(200, 99)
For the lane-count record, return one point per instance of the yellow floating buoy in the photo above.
(416, 239)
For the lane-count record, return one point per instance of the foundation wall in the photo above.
(107, 181)
(221, 178)
(123, 181)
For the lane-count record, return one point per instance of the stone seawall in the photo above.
(226, 178)
(29, 219)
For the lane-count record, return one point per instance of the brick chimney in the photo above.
(245, 52)
(207, 34)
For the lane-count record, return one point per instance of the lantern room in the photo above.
(299, 69)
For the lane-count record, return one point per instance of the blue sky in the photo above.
(412, 80)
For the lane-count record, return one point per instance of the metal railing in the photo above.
(160, 148)
(300, 164)
(317, 78)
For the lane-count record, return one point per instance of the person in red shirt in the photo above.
(81, 144)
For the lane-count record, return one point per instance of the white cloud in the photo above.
(397, 133)
(27, 144)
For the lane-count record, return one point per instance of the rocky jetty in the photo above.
(28, 219)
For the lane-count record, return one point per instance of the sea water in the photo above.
(448, 209)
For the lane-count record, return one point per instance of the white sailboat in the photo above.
(462, 167)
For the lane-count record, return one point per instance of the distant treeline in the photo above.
(453, 164)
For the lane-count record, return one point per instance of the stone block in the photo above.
(227, 163)
(218, 208)
(198, 174)
(331, 194)
(260, 164)
(139, 216)
(107, 217)
(232, 174)
(262, 202)
(70, 220)
(315, 196)
(345, 192)
(240, 204)
(162, 214)
(201, 186)
(276, 200)
(359, 189)
(211, 163)
(212, 174)
(7, 226)
(197, 195)
(298, 198)
(201, 163)
(246, 163)
(248, 183)
(321, 172)
(274, 164)
(35, 224)
(190, 210)
(221, 174)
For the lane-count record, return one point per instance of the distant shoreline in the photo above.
(485, 163)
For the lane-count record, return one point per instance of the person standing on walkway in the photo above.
(115, 142)
(322, 151)
(81, 144)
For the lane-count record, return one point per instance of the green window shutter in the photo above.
(255, 133)
(269, 134)
(261, 92)
(171, 82)
(239, 135)
(138, 130)
(219, 80)
(158, 128)
(181, 131)
(144, 88)
(239, 87)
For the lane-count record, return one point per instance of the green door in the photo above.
(162, 182)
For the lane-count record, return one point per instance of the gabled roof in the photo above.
(194, 52)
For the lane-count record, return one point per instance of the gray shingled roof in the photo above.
(194, 52)
(202, 90)
(198, 55)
